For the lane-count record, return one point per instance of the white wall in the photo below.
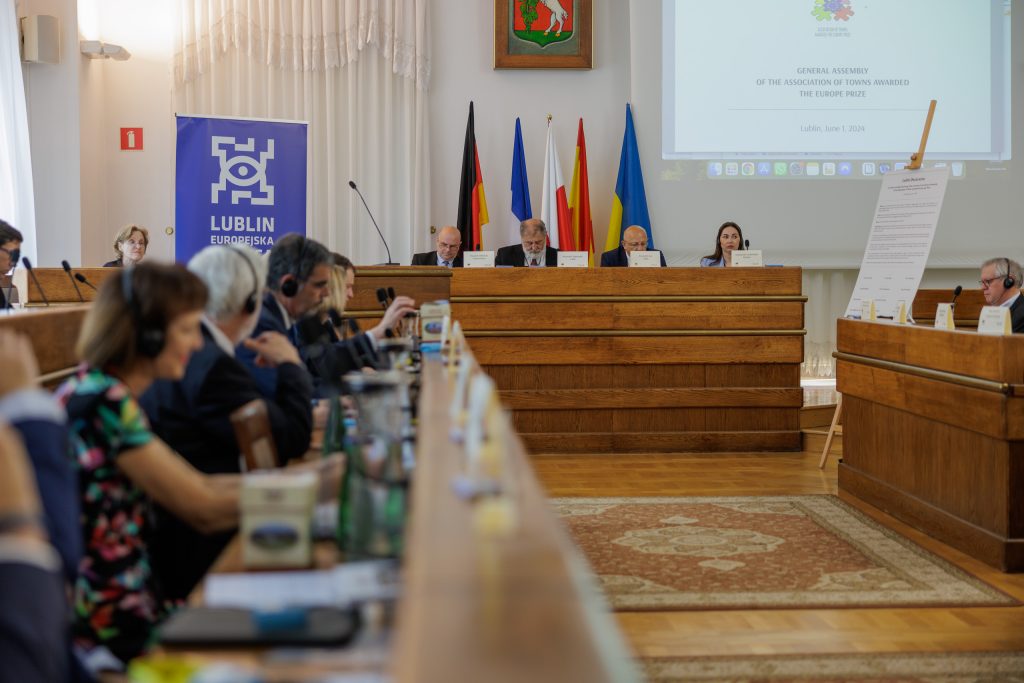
(52, 92)
(463, 71)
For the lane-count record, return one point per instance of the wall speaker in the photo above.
(40, 39)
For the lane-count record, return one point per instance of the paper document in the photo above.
(338, 587)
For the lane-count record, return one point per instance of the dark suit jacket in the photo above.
(270, 320)
(618, 258)
(328, 356)
(34, 644)
(42, 428)
(1017, 315)
(515, 255)
(429, 258)
(193, 417)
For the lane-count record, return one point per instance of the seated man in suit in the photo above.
(634, 238)
(193, 414)
(448, 254)
(534, 250)
(1000, 285)
(10, 254)
(298, 276)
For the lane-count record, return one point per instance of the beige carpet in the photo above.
(967, 667)
(751, 552)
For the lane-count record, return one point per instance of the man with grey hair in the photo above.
(533, 250)
(193, 414)
(1000, 284)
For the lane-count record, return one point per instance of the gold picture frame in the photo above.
(556, 38)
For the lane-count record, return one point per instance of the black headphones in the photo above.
(1008, 281)
(250, 301)
(149, 340)
(290, 288)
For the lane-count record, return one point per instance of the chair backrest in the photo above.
(255, 440)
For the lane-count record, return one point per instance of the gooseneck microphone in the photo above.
(31, 274)
(746, 245)
(382, 297)
(391, 294)
(352, 184)
(956, 293)
(67, 269)
(81, 278)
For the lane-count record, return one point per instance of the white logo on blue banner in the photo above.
(238, 180)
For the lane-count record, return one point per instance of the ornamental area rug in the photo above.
(758, 552)
(959, 667)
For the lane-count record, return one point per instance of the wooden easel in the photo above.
(915, 163)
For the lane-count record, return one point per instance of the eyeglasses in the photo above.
(986, 283)
(636, 245)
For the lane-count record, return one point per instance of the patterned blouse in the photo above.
(117, 601)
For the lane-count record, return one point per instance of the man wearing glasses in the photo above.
(1000, 284)
(10, 254)
(634, 238)
(448, 255)
(534, 251)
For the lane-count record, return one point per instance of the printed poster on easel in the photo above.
(901, 239)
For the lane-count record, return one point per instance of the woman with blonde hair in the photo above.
(130, 246)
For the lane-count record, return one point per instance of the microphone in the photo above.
(391, 293)
(956, 293)
(352, 184)
(81, 278)
(10, 287)
(67, 269)
(31, 274)
(382, 297)
(746, 245)
(335, 322)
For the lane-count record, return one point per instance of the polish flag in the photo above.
(554, 205)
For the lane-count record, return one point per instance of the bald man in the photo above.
(634, 238)
(448, 254)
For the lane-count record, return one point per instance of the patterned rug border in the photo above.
(993, 596)
(936, 666)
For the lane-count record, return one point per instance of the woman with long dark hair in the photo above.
(729, 239)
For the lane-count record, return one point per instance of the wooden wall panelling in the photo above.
(626, 281)
(683, 397)
(53, 333)
(58, 288)
(662, 442)
(965, 314)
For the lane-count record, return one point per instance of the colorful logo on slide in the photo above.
(832, 10)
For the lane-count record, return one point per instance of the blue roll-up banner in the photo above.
(238, 180)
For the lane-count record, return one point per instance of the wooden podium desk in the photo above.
(628, 359)
(933, 432)
(965, 313)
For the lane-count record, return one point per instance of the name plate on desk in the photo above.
(994, 320)
(645, 259)
(478, 259)
(749, 258)
(573, 259)
(867, 310)
(944, 317)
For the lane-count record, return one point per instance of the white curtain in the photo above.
(357, 70)
(17, 205)
(828, 293)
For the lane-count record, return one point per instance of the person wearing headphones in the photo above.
(143, 326)
(193, 414)
(1000, 285)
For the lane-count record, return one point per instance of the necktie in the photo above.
(447, 264)
(534, 263)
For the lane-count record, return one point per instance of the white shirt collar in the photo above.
(219, 337)
(1009, 302)
(441, 261)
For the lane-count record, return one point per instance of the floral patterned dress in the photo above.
(117, 601)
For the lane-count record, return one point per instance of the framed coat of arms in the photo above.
(543, 34)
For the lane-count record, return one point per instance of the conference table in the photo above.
(933, 432)
(614, 360)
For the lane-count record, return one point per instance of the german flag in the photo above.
(472, 201)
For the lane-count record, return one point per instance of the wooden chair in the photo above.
(834, 429)
(255, 440)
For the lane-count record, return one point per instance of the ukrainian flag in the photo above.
(629, 203)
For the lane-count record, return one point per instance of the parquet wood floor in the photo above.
(752, 632)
